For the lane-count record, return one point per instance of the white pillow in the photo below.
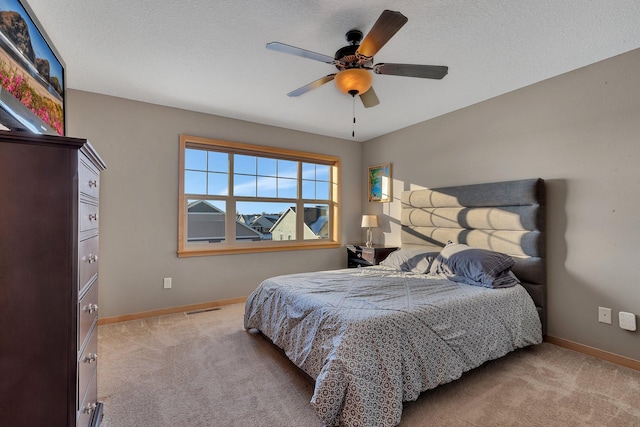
(414, 260)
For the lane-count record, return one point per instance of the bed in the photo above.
(467, 286)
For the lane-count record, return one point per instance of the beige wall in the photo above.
(139, 204)
(581, 133)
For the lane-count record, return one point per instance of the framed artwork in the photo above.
(380, 183)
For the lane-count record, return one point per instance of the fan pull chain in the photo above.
(353, 131)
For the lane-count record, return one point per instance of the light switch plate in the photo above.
(627, 320)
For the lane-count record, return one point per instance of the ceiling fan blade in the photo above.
(385, 27)
(369, 98)
(411, 70)
(315, 84)
(292, 50)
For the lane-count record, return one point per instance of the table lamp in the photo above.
(369, 221)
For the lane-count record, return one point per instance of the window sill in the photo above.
(185, 253)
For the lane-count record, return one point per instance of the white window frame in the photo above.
(231, 245)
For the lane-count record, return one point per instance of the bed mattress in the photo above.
(375, 337)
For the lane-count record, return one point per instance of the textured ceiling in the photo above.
(209, 56)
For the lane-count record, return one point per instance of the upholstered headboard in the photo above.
(507, 217)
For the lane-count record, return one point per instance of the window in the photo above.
(237, 197)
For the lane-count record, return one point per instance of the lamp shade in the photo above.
(369, 221)
(353, 81)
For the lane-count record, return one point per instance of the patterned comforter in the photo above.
(375, 337)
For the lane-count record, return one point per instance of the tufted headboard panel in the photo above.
(507, 217)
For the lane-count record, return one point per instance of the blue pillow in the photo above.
(474, 266)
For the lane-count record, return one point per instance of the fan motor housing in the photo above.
(347, 55)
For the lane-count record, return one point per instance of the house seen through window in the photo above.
(237, 197)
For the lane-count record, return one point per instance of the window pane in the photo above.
(308, 171)
(218, 184)
(308, 189)
(218, 162)
(244, 185)
(195, 159)
(244, 164)
(195, 182)
(316, 222)
(323, 172)
(205, 221)
(261, 217)
(267, 187)
(322, 190)
(287, 188)
(267, 166)
(287, 169)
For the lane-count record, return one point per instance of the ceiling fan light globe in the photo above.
(353, 79)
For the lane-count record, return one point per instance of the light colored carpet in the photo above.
(205, 370)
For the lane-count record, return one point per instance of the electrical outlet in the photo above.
(167, 283)
(627, 320)
(604, 315)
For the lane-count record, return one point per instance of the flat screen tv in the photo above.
(32, 83)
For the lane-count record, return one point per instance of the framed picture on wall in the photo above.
(380, 183)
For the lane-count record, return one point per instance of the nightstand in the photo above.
(362, 256)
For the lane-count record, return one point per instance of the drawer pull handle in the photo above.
(90, 358)
(89, 408)
(90, 258)
(93, 183)
(93, 217)
(90, 308)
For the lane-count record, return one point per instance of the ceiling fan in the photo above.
(355, 61)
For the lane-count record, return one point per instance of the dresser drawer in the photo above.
(87, 363)
(87, 314)
(87, 216)
(362, 256)
(87, 261)
(369, 255)
(88, 398)
(88, 179)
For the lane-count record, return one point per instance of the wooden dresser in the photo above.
(49, 193)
